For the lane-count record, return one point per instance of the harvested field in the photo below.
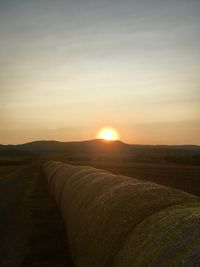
(111, 220)
(32, 232)
(8, 170)
(185, 178)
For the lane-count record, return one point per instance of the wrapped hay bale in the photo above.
(114, 220)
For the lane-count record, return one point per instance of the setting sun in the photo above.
(108, 134)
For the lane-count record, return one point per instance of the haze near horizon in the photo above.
(70, 68)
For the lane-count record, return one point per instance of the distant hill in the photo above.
(90, 149)
(42, 146)
(101, 149)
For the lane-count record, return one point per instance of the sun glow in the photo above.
(108, 134)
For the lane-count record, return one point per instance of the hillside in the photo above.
(103, 150)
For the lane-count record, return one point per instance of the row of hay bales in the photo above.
(118, 221)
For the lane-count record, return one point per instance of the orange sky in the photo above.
(70, 68)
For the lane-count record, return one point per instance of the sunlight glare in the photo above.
(108, 134)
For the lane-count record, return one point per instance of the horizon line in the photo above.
(106, 141)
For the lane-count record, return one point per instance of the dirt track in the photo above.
(32, 232)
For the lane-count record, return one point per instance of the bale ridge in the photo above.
(118, 221)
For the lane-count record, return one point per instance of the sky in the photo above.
(71, 67)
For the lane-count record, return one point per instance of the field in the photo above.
(31, 228)
(186, 178)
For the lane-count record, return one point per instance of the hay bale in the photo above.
(106, 215)
(51, 168)
(170, 237)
